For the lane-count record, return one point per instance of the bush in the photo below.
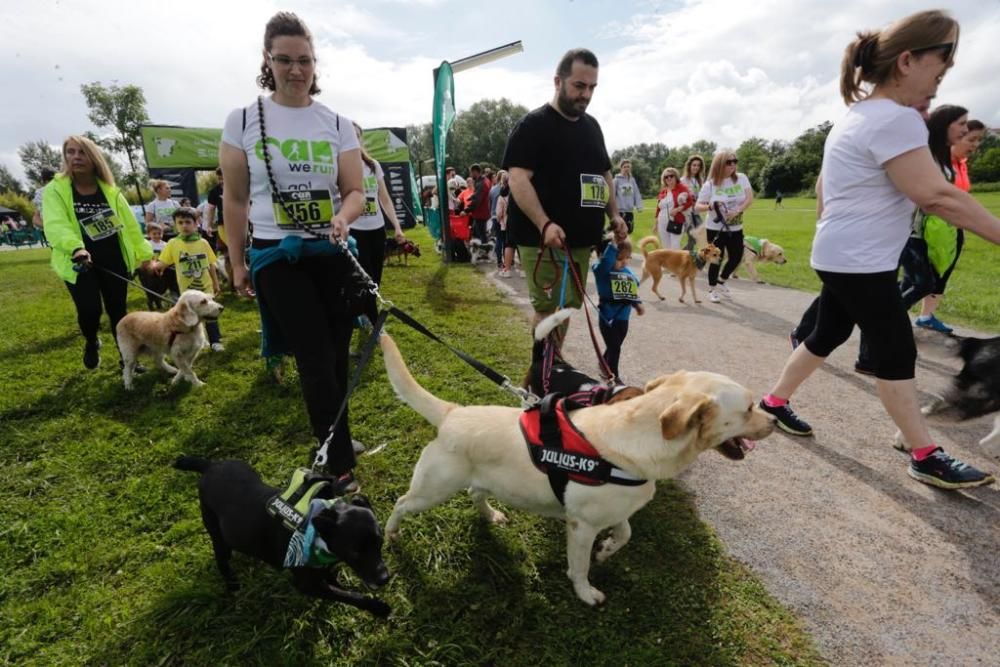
(986, 187)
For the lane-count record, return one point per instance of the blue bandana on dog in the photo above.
(305, 548)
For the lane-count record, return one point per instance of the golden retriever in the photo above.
(681, 263)
(769, 252)
(178, 332)
(653, 436)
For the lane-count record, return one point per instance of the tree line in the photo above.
(480, 133)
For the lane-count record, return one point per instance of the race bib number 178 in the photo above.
(593, 191)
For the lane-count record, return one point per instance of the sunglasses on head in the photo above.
(947, 50)
(732, 161)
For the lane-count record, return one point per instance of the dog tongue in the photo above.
(747, 445)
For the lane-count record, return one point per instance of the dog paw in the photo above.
(607, 548)
(497, 517)
(378, 608)
(590, 595)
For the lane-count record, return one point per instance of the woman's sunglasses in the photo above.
(732, 161)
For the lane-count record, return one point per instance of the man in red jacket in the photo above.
(479, 206)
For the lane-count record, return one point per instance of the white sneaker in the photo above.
(714, 297)
(218, 347)
(503, 273)
(723, 289)
(520, 273)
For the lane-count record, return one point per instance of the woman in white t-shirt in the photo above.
(876, 165)
(723, 198)
(369, 229)
(161, 210)
(298, 164)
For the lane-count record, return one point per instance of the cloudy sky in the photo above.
(671, 70)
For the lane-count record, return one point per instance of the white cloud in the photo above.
(670, 71)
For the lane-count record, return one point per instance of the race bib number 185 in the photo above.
(312, 208)
(593, 191)
(101, 225)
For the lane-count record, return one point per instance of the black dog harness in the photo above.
(562, 452)
(292, 504)
(699, 261)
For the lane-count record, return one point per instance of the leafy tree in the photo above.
(17, 201)
(8, 183)
(480, 133)
(419, 138)
(123, 109)
(985, 168)
(754, 156)
(36, 156)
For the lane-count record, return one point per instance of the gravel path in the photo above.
(882, 569)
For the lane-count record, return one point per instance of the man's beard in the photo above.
(567, 106)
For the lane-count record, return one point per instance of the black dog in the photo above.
(234, 510)
(161, 284)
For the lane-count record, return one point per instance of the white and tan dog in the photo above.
(760, 250)
(179, 333)
(652, 436)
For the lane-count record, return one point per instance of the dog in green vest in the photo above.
(760, 250)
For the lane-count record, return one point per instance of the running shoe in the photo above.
(218, 347)
(788, 421)
(714, 297)
(946, 472)
(345, 484)
(357, 446)
(723, 289)
(932, 323)
(92, 354)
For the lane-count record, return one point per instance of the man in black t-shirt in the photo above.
(560, 184)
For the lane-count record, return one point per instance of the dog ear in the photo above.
(663, 379)
(361, 501)
(186, 312)
(690, 410)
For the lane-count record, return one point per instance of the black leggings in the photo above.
(731, 245)
(371, 256)
(92, 287)
(613, 334)
(308, 300)
(871, 301)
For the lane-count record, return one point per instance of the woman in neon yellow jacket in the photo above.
(91, 227)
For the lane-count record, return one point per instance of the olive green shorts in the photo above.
(545, 285)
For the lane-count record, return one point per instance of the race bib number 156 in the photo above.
(593, 191)
(312, 208)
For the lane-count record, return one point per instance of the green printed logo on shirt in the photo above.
(312, 209)
(593, 191)
(303, 155)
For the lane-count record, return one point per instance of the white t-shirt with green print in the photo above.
(730, 194)
(303, 144)
(371, 217)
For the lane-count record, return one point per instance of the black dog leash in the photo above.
(83, 265)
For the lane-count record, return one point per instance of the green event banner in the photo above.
(443, 116)
(171, 147)
(386, 144)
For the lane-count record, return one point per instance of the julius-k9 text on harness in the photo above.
(292, 504)
(562, 452)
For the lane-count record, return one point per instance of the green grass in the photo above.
(103, 559)
(971, 298)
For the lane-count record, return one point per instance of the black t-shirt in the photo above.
(215, 199)
(98, 227)
(568, 160)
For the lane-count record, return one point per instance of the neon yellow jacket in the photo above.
(65, 236)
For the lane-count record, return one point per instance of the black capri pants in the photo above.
(371, 257)
(94, 286)
(871, 301)
(309, 301)
(731, 245)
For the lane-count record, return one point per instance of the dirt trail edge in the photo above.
(881, 568)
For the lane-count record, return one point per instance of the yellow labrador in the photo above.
(178, 332)
(652, 436)
(760, 250)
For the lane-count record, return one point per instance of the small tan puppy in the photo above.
(760, 250)
(178, 332)
(652, 436)
(678, 262)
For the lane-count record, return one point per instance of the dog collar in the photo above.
(305, 547)
(699, 261)
(175, 334)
